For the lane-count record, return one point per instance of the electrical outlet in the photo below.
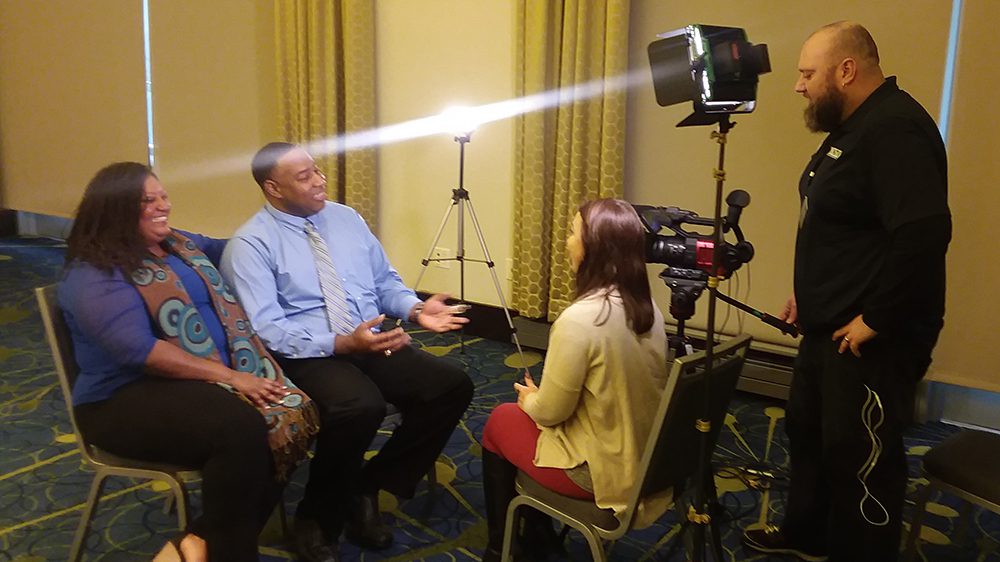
(440, 253)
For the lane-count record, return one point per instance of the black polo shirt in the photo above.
(874, 222)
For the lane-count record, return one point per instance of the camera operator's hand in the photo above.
(854, 335)
(364, 340)
(791, 312)
(437, 316)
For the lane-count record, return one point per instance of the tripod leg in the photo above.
(496, 281)
(715, 510)
(437, 238)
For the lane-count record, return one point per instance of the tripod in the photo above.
(460, 198)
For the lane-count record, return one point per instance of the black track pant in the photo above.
(845, 422)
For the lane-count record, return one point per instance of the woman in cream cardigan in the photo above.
(581, 432)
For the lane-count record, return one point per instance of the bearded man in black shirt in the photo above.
(874, 227)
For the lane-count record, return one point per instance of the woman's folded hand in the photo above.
(259, 390)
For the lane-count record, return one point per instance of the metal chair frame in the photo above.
(934, 483)
(103, 463)
(672, 432)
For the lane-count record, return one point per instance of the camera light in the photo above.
(460, 120)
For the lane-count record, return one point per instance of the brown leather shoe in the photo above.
(311, 543)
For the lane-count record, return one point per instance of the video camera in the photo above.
(689, 254)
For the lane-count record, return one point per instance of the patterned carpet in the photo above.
(42, 486)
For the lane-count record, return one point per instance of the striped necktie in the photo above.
(337, 314)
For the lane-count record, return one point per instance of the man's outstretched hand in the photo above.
(437, 316)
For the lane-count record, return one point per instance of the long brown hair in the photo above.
(105, 232)
(614, 244)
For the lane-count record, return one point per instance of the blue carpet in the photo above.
(42, 485)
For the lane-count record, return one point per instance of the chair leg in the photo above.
(507, 554)
(96, 487)
(180, 497)
(596, 548)
(917, 522)
(168, 504)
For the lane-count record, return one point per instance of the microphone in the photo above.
(737, 201)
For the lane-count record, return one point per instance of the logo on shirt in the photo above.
(834, 152)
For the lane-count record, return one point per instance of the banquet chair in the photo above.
(103, 463)
(966, 465)
(670, 457)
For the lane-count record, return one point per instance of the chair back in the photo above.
(673, 451)
(61, 344)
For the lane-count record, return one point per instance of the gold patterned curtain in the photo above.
(326, 88)
(571, 152)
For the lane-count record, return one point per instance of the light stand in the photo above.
(699, 513)
(460, 198)
(705, 507)
(716, 68)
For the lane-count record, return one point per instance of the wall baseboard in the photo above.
(35, 224)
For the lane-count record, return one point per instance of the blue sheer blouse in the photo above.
(111, 328)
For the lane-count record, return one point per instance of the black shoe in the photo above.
(312, 544)
(771, 540)
(364, 525)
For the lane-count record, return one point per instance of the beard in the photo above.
(824, 113)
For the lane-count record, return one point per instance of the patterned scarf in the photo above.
(294, 421)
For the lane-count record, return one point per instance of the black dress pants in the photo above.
(845, 422)
(351, 392)
(196, 424)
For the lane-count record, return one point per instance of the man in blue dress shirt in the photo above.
(338, 356)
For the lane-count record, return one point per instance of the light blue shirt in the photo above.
(271, 266)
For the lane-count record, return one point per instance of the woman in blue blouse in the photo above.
(151, 323)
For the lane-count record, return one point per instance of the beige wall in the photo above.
(213, 106)
(430, 55)
(968, 353)
(71, 98)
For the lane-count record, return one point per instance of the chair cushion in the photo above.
(112, 460)
(969, 460)
(584, 510)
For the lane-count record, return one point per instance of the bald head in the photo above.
(838, 70)
(847, 39)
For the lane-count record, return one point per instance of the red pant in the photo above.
(512, 434)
